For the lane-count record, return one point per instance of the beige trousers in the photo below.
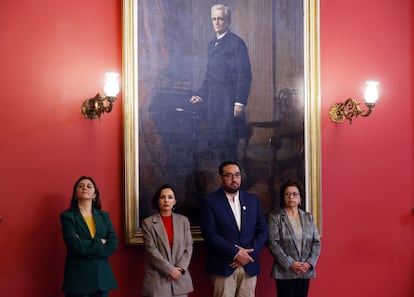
(239, 284)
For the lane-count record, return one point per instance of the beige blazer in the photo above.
(161, 260)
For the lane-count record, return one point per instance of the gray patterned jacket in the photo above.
(283, 245)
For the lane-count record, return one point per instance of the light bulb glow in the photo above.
(111, 88)
(371, 92)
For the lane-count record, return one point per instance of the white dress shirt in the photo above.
(235, 207)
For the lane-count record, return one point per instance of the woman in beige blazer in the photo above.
(168, 246)
(294, 243)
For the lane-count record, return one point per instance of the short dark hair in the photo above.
(157, 195)
(290, 183)
(226, 163)
(96, 203)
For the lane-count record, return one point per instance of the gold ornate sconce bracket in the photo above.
(351, 108)
(94, 107)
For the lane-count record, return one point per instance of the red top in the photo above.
(168, 225)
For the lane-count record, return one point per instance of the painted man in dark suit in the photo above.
(235, 230)
(226, 87)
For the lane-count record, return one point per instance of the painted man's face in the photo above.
(220, 22)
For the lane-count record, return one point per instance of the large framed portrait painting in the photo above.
(273, 133)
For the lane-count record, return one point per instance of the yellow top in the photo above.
(91, 225)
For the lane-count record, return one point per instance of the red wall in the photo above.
(54, 54)
(368, 242)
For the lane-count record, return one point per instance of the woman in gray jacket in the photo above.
(294, 242)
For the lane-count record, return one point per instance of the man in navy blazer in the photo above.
(235, 230)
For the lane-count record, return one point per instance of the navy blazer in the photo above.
(228, 69)
(227, 81)
(87, 268)
(221, 234)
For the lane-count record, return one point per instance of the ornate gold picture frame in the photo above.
(139, 173)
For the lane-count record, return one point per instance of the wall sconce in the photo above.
(350, 108)
(94, 107)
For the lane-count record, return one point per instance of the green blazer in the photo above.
(87, 268)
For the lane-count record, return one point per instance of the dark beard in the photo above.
(230, 190)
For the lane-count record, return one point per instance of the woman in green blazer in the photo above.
(90, 239)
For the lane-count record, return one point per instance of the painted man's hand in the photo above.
(195, 99)
(238, 110)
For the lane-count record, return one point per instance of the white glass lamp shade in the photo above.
(111, 88)
(371, 92)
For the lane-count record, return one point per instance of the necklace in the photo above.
(295, 222)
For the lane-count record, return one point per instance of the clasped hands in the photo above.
(300, 267)
(242, 258)
(175, 274)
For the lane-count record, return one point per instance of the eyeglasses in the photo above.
(232, 175)
(294, 194)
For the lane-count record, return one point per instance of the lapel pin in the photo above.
(244, 207)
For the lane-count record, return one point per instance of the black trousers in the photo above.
(292, 287)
